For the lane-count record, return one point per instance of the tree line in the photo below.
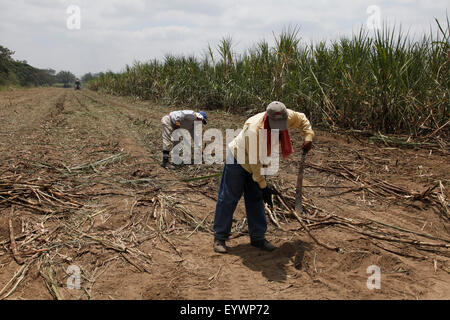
(20, 73)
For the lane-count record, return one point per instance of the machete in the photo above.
(298, 191)
(299, 206)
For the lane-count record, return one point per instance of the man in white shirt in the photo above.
(182, 119)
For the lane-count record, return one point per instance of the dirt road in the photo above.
(81, 184)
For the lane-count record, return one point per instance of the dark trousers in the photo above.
(235, 181)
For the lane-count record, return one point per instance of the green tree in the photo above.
(88, 76)
(5, 53)
(66, 77)
(14, 72)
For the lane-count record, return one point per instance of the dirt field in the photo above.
(81, 184)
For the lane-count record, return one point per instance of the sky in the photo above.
(92, 36)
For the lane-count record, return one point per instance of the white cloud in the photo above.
(115, 32)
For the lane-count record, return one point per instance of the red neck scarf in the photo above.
(285, 140)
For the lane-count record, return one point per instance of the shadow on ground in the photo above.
(272, 265)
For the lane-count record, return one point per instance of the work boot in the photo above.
(263, 245)
(166, 164)
(219, 246)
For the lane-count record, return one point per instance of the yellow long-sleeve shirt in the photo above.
(252, 127)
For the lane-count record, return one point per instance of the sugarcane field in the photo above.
(129, 185)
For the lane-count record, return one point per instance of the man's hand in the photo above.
(267, 195)
(307, 146)
(178, 124)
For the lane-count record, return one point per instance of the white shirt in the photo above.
(186, 119)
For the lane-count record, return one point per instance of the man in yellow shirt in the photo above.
(243, 173)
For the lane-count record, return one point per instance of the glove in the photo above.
(267, 195)
(307, 146)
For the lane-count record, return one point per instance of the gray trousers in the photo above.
(167, 128)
